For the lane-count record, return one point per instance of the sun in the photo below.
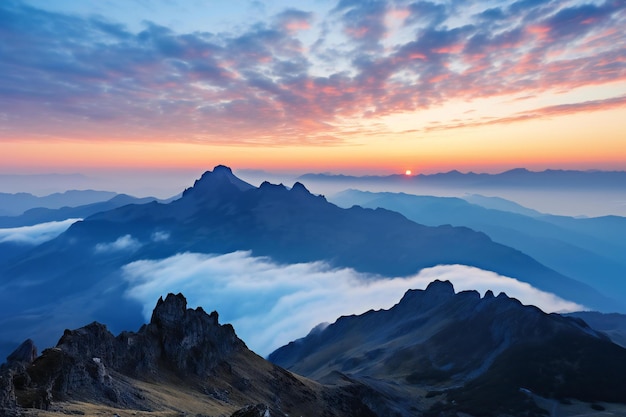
(408, 172)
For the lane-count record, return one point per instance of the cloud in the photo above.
(122, 243)
(160, 236)
(274, 82)
(540, 113)
(37, 234)
(271, 304)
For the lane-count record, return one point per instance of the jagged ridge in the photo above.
(182, 347)
(492, 346)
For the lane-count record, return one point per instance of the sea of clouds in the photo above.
(35, 235)
(271, 304)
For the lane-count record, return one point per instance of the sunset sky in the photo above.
(346, 86)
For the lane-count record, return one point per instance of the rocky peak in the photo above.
(298, 187)
(189, 343)
(219, 181)
(25, 353)
(179, 347)
(435, 293)
(444, 288)
(169, 311)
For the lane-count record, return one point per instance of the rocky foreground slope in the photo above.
(182, 363)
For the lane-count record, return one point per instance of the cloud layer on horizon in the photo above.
(302, 76)
(270, 304)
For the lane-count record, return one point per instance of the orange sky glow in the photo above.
(475, 89)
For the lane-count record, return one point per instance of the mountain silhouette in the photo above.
(482, 356)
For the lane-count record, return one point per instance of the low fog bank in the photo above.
(271, 304)
(35, 235)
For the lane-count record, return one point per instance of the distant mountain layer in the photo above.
(514, 178)
(42, 214)
(77, 277)
(590, 250)
(16, 204)
(184, 362)
(613, 324)
(481, 356)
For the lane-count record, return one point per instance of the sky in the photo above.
(344, 86)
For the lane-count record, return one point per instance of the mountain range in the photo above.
(519, 177)
(571, 193)
(17, 203)
(77, 276)
(590, 250)
(435, 353)
(37, 211)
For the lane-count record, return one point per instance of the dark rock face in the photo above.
(259, 410)
(189, 343)
(7, 393)
(25, 353)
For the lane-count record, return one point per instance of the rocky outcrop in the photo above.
(13, 374)
(25, 353)
(188, 343)
(258, 410)
(7, 393)
(179, 347)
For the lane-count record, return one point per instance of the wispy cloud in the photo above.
(271, 304)
(37, 234)
(297, 77)
(540, 113)
(122, 243)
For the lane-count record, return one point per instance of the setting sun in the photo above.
(407, 172)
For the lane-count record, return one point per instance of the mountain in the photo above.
(184, 361)
(16, 204)
(590, 250)
(77, 276)
(41, 214)
(612, 324)
(11, 249)
(438, 352)
(572, 193)
(518, 177)
(500, 204)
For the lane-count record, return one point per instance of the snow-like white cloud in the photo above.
(271, 304)
(122, 243)
(37, 234)
(160, 236)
